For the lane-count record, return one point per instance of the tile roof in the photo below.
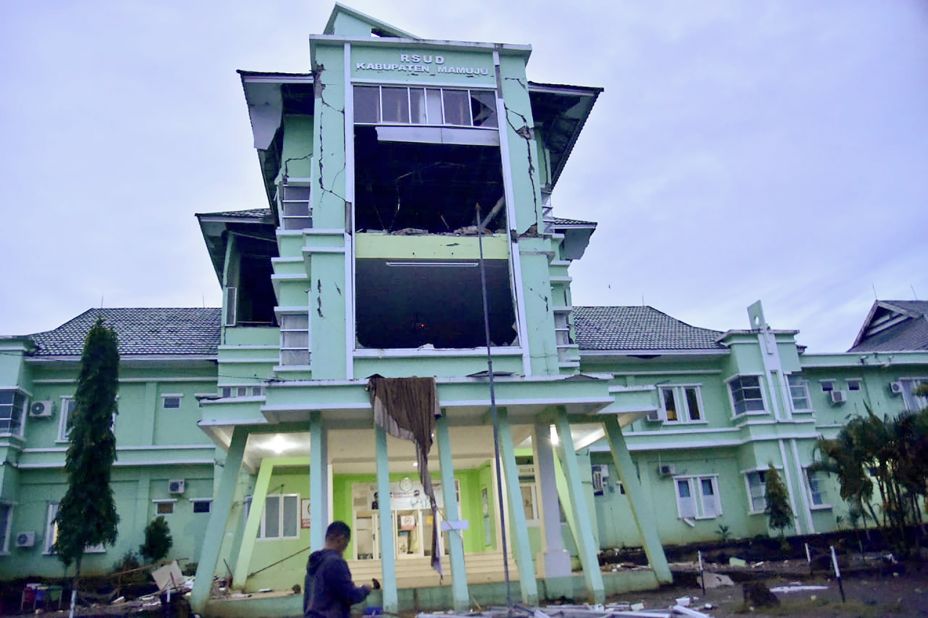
(563, 221)
(253, 213)
(141, 331)
(638, 328)
(909, 335)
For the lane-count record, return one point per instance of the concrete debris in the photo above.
(797, 587)
(716, 580)
(737, 562)
(613, 610)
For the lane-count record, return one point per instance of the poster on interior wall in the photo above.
(304, 513)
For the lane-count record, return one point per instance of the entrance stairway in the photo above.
(482, 568)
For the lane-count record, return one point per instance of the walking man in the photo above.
(328, 590)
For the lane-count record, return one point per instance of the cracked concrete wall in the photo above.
(327, 308)
(525, 167)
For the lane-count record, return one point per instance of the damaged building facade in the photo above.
(250, 427)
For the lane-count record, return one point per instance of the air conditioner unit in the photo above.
(25, 539)
(40, 409)
(895, 387)
(176, 486)
(667, 469)
(654, 416)
(838, 397)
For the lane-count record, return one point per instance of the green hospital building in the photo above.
(250, 427)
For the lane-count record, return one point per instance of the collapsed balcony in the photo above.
(404, 303)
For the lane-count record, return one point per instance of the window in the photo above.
(51, 533)
(280, 519)
(529, 501)
(817, 494)
(434, 106)
(854, 385)
(293, 206)
(164, 507)
(202, 505)
(170, 402)
(746, 394)
(241, 391)
(757, 490)
(6, 521)
(51, 528)
(66, 419)
(799, 392)
(294, 340)
(827, 385)
(681, 404)
(698, 497)
(12, 407)
(914, 402)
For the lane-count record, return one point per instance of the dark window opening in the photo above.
(424, 187)
(411, 304)
(256, 300)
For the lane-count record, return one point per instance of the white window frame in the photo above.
(166, 396)
(533, 490)
(428, 121)
(51, 527)
(282, 203)
(824, 506)
(695, 486)
(828, 385)
(27, 400)
(64, 403)
(681, 404)
(858, 381)
(171, 501)
(65, 414)
(908, 392)
(763, 395)
(5, 538)
(280, 518)
(792, 398)
(763, 484)
(251, 390)
(280, 319)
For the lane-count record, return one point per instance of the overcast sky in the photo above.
(741, 150)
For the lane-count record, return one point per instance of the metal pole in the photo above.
(702, 573)
(834, 562)
(493, 413)
(808, 557)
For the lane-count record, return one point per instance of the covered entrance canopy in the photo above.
(316, 440)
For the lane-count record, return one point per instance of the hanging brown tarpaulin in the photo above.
(406, 408)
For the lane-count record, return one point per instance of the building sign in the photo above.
(432, 64)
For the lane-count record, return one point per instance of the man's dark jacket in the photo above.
(328, 591)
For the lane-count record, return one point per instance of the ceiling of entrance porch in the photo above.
(351, 451)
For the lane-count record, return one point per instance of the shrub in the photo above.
(158, 540)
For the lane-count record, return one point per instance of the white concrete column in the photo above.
(556, 558)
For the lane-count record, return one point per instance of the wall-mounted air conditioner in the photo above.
(667, 469)
(40, 409)
(838, 397)
(25, 539)
(176, 486)
(895, 387)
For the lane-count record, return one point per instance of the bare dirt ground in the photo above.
(868, 596)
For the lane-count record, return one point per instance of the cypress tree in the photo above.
(779, 512)
(87, 513)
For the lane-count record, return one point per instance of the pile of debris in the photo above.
(681, 609)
